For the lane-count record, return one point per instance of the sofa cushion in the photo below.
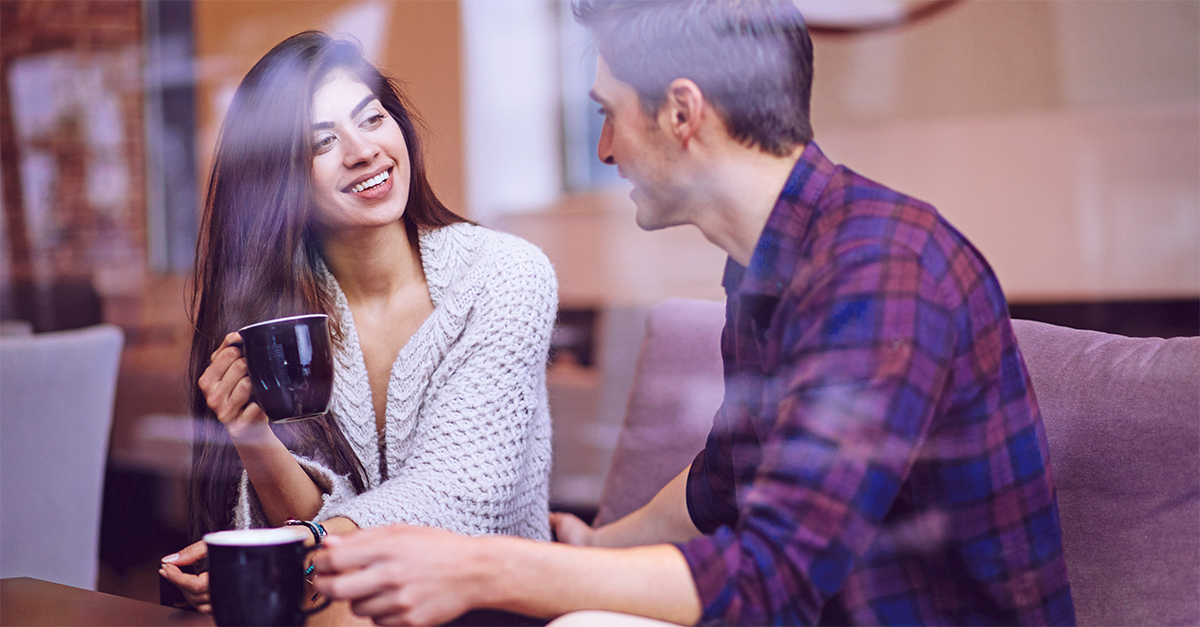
(678, 386)
(1122, 417)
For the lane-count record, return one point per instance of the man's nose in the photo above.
(604, 146)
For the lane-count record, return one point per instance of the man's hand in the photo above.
(569, 529)
(664, 519)
(404, 575)
(194, 587)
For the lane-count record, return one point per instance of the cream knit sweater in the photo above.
(467, 442)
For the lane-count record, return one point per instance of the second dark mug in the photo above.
(291, 366)
(256, 576)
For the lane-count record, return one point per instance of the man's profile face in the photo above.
(641, 149)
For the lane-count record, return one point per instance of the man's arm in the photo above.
(404, 574)
(424, 576)
(664, 519)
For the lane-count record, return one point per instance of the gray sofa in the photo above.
(1122, 416)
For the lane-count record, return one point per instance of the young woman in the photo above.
(318, 202)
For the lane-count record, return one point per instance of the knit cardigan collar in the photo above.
(445, 254)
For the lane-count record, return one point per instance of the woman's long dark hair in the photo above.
(257, 255)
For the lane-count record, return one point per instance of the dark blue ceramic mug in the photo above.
(256, 576)
(291, 366)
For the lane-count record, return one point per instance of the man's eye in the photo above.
(602, 111)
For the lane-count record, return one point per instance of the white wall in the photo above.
(512, 113)
(1063, 138)
(1066, 205)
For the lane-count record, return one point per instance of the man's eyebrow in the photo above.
(362, 104)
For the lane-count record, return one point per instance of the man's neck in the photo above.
(744, 185)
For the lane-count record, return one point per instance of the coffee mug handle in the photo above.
(328, 600)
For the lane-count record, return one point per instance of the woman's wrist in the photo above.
(257, 434)
(338, 525)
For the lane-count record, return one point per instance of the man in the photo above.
(878, 457)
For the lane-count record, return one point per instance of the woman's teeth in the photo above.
(371, 182)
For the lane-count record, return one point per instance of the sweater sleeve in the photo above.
(248, 511)
(479, 463)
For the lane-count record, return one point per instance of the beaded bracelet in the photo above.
(316, 528)
(318, 531)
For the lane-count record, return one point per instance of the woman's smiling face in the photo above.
(360, 165)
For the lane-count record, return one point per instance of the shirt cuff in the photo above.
(714, 572)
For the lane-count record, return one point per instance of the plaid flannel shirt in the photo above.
(879, 457)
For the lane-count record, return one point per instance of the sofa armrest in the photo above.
(1122, 417)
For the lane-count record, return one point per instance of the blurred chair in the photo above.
(56, 408)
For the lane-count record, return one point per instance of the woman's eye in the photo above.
(374, 120)
(323, 143)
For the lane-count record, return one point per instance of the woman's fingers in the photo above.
(193, 587)
(221, 359)
(190, 554)
(230, 340)
(232, 392)
(190, 584)
(229, 391)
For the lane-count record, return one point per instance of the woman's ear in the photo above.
(684, 108)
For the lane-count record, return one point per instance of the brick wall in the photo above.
(73, 165)
(73, 160)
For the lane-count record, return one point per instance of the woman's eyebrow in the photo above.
(362, 104)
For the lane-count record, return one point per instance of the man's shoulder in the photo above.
(860, 218)
(852, 197)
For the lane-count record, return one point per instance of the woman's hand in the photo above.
(226, 388)
(194, 587)
(569, 529)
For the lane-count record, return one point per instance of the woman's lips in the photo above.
(378, 190)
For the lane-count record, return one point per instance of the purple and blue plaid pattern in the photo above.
(879, 457)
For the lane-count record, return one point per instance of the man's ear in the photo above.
(684, 109)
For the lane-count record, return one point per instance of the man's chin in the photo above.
(648, 221)
(655, 218)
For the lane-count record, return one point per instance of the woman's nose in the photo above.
(359, 149)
